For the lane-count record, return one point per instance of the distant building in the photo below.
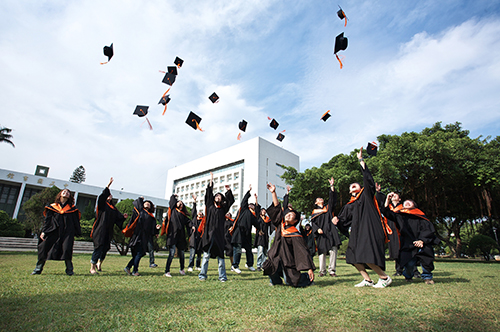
(256, 162)
(16, 188)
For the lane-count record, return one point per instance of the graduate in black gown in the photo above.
(417, 238)
(241, 231)
(261, 241)
(325, 232)
(194, 238)
(176, 226)
(212, 238)
(288, 255)
(368, 231)
(102, 230)
(142, 227)
(228, 246)
(61, 225)
(307, 234)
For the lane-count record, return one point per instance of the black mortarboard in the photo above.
(169, 79)
(325, 116)
(108, 51)
(340, 43)
(172, 70)
(213, 97)
(242, 125)
(178, 61)
(193, 121)
(164, 100)
(274, 124)
(372, 149)
(280, 137)
(141, 110)
(341, 13)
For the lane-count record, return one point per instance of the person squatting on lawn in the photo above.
(325, 232)
(61, 224)
(417, 238)
(107, 216)
(175, 227)
(212, 238)
(141, 228)
(241, 231)
(368, 230)
(288, 255)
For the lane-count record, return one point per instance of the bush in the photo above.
(482, 244)
(86, 226)
(9, 227)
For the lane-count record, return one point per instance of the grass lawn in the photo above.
(466, 297)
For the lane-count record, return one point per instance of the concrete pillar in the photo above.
(19, 200)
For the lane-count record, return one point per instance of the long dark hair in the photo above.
(70, 201)
(152, 209)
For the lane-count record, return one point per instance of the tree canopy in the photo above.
(78, 175)
(5, 136)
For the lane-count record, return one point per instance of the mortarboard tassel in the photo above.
(324, 115)
(345, 18)
(103, 63)
(161, 71)
(149, 123)
(239, 137)
(282, 131)
(197, 125)
(341, 65)
(165, 109)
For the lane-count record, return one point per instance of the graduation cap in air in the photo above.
(340, 45)
(178, 61)
(169, 79)
(213, 97)
(341, 14)
(274, 124)
(164, 101)
(372, 149)
(141, 111)
(326, 116)
(172, 70)
(280, 137)
(193, 121)
(108, 51)
(243, 125)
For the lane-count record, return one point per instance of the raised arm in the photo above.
(229, 198)
(172, 202)
(332, 198)
(209, 193)
(244, 200)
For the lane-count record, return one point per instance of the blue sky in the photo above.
(408, 65)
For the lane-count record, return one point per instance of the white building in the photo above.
(256, 162)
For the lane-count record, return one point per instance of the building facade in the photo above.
(255, 162)
(16, 188)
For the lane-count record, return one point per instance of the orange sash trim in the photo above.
(415, 212)
(318, 212)
(129, 230)
(266, 220)
(290, 231)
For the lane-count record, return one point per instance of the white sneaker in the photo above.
(168, 275)
(364, 283)
(235, 269)
(251, 268)
(182, 272)
(190, 269)
(383, 283)
(198, 268)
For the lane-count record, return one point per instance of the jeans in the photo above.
(41, 263)
(98, 255)
(204, 265)
(261, 255)
(237, 255)
(409, 270)
(171, 255)
(332, 264)
(192, 253)
(151, 251)
(137, 253)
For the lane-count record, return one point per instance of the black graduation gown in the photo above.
(291, 251)
(394, 237)
(413, 228)
(228, 247)
(265, 228)
(367, 237)
(242, 227)
(194, 235)
(61, 225)
(145, 228)
(177, 226)
(107, 217)
(309, 240)
(330, 237)
(214, 224)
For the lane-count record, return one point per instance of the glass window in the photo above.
(222, 179)
(236, 175)
(216, 180)
(197, 185)
(235, 186)
(229, 177)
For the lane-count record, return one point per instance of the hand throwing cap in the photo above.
(242, 125)
(178, 61)
(141, 110)
(213, 97)
(193, 121)
(372, 149)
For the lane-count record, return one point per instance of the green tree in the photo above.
(78, 175)
(10, 227)
(86, 226)
(5, 136)
(89, 212)
(35, 205)
(120, 241)
(483, 244)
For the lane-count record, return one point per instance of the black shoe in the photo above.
(397, 274)
(36, 272)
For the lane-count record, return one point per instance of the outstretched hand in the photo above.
(360, 153)
(311, 275)
(335, 221)
(194, 197)
(377, 186)
(110, 182)
(288, 188)
(331, 181)
(271, 188)
(250, 187)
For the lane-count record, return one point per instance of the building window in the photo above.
(236, 175)
(222, 179)
(229, 177)
(203, 184)
(235, 197)
(182, 189)
(216, 180)
(192, 186)
(178, 189)
(235, 186)
(197, 185)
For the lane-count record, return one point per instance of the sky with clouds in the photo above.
(408, 65)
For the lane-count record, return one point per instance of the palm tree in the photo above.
(5, 136)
